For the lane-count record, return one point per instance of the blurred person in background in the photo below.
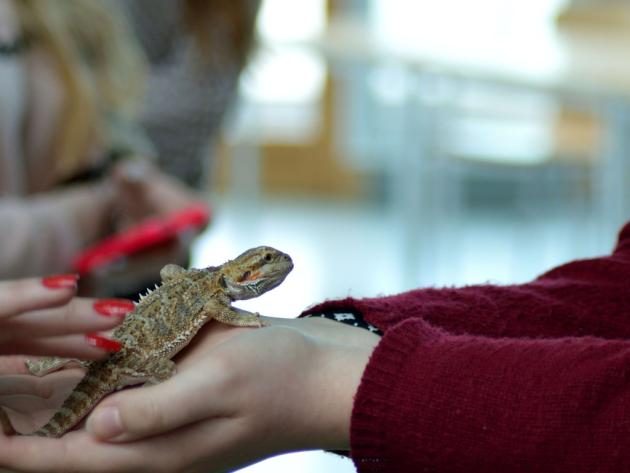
(73, 88)
(71, 79)
(196, 50)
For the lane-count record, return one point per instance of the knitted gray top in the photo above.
(187, 96)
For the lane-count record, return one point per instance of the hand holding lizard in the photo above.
(42, 317)
(240, 395)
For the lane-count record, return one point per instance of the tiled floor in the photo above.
(353, 249)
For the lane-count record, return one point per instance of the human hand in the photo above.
(144, 191)
(41, 317)
(240, 395)
(141, 192)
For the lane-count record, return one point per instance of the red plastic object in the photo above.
(147, 235)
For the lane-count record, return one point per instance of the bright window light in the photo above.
(284, 82)
(285, 76)
(474, 31)
(286, 72)
(291, 20)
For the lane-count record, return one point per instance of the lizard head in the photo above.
(255, 272)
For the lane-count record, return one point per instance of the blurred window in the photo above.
(290, 20)
(284, 83)
(473, 31)
(484, 120)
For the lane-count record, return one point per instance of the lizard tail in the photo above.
(91, 389)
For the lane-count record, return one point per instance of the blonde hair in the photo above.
(99, 65)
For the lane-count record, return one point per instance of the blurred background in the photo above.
(389, 144)
(383, 144)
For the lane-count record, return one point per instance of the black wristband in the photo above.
(350, 318)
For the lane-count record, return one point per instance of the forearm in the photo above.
(40, 235)
(434, 401)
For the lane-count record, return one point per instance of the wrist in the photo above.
(338, 373)
(323, 370)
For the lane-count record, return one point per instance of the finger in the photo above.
(79, 452)
(149, 411)
(92, 346)
(215, 445)
(133, 172)
(13, 364)
(73, 453)
(43, 387)
(19, 384)
(78, 316)
(36, 293)
(210, 446)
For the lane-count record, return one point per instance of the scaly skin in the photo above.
(164, 322)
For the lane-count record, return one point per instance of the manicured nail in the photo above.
(113, 307)
(61, 281)
(106, 344)
(105, 423)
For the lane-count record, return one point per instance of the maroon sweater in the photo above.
(524, 378)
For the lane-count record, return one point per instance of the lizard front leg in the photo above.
(160, 370)
(232, 315)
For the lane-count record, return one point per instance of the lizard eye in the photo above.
(268, 257)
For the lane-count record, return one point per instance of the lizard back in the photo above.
(163, 322)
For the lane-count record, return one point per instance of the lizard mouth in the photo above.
(286, 267)
(279, 273)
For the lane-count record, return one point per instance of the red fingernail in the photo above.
(106, 344)
(113, 307)
(61, 281)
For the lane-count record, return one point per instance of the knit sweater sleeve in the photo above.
(587, 297)
(431, 401)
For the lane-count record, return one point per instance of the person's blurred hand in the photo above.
(240, 395)
(143, 191)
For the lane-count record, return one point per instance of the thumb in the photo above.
(148, 411)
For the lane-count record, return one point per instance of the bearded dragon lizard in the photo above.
(163, 322)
